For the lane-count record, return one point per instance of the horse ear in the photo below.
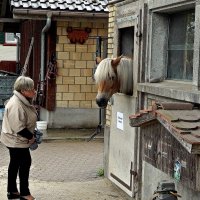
(115, 62)
(98, 59)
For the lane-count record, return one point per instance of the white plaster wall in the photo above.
(121, 152)
(150, 178)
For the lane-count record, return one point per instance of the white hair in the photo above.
(23, 83)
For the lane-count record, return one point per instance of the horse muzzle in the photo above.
(102, 102)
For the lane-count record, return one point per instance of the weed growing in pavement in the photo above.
(100, 172)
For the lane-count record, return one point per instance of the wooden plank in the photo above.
(9, 20)
(50, 102)
(198, 175)
(3, 8)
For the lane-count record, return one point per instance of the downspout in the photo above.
(17, 52)
(44, 30)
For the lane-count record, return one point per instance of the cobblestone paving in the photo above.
(65, 171)
(61, 161)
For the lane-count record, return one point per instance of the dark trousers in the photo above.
(20, 163)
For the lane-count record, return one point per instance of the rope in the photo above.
(24, 69)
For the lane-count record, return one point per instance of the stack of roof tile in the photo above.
(181, 119)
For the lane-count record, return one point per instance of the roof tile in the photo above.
(181, 119)
(72, 5)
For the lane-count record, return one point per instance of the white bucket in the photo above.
(41, 125)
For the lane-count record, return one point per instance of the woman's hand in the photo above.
(32, 140)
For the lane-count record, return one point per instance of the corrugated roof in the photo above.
(69, 5)
(181, 119)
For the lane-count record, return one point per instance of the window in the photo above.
(180, 45)
(126, 41)
(10, 38)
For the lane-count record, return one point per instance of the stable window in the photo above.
(180, 45)
(126, 38)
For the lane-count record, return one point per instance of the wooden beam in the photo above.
(9, 20)
(1, 27)
(3, 8)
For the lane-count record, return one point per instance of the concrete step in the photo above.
(70, 134)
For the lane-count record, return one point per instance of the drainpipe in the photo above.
(17, 52)
(44, 30)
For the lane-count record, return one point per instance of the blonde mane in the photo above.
(124, 71)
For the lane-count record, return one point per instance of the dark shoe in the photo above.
(11, 195)
(27, 197)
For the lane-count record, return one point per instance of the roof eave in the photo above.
(41, 14)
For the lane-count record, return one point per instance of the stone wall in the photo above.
(111, 24)
(75, 85)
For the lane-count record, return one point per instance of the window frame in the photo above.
(158, 60)
(11, 42)
(167, 64)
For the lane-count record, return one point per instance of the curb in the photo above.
(61, 139)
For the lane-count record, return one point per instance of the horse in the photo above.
(112, 76)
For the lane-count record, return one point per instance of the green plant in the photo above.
(100, 172)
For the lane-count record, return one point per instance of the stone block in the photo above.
(58, 96)
(59, 63)
(86, 88)
(85, 104)
(79, 96)
(74, 88)
(80, 64)
(62, 39)
(86, 72)
(69, 64)
(81, 48)
(63, 55)
(90, 80)
(63, 104)
(59, 80)
(90, 96)
(59, 47)
(70, 47)
(68, 96)
(73, 104)
(75, 56)
(91, 48)
(63, 72)
(68, 80)
(59, 31)
(62, 88)
(74, 72)
(80, 80)
(88, 56)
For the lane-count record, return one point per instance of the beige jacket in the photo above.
(19, 114)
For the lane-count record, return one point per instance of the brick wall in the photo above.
(75, 86)
(111, 22)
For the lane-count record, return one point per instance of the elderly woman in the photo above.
(18, 126)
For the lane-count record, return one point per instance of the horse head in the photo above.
(112, 76)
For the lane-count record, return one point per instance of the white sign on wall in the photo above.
(120, 121)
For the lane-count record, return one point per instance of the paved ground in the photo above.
(64, 169)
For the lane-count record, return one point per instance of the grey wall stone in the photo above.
(71, 118)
